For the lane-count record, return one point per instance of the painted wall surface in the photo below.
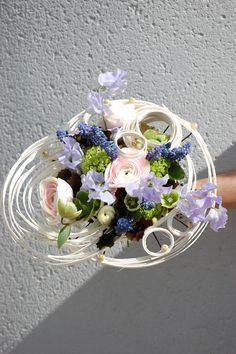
(180, 53)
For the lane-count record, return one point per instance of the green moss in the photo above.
(96, 159)
(160, 167)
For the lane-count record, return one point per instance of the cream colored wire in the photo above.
(26, 222)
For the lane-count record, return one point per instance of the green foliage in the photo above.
(175, 171)
(156, 212)
(63, 235)
(88, 207)
(96, 159)
(160, 166)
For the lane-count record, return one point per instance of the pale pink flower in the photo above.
(123, 171)
(119, 114)
(51, 189)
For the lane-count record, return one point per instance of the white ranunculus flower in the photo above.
(51, 189)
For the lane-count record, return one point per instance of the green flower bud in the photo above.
(170, 200)
(61, 207)
(131, 203)
(67, 210)
(106, 214)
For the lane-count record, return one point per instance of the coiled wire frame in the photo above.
(26, 222)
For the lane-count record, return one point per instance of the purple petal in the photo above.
(217, 218)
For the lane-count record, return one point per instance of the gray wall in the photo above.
(180, 53)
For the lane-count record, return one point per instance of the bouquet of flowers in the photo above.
(119, 177)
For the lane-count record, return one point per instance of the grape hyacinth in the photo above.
(61, 134)
(147, 205)
(124, 225)
(96, 136)
(175, 154)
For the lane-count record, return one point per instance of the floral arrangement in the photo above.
(123, 178)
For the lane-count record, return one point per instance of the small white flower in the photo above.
(106, 214)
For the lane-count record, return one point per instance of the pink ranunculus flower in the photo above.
(123, 171)
(118, 114)
(51, 189)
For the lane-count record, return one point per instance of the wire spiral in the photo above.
(26, 222)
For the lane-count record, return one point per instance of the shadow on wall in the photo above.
(225, 162)
(186, 305)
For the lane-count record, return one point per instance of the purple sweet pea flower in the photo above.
(113, 81)
(72, 155)
(95, 102)
(217, 218)
(94, 183)
(149, 188)
(195, 203)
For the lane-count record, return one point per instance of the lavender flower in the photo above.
(149, 188)
(94, 183)
(164, 150)
(123, 225)
(113, 81)
(217, 218)
(72, 155)
(95, 102)
(194, 205)
(61, 134)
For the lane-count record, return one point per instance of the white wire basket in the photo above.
(24, 218)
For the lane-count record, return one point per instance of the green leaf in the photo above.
(176, 172)
(63, 235)
(82, 196)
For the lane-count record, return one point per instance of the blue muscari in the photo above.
(123, 225)
(96, 136)
(61, 134)
(175, 154)
(147, 205)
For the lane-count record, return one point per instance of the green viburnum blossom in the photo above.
(170, 200)
(153, 135)
(96, 159)
(157, 212)
(131, 203)
(160, 166)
